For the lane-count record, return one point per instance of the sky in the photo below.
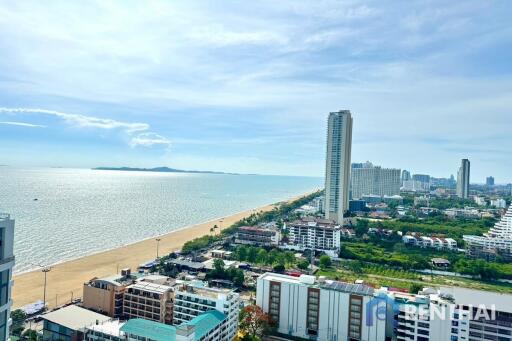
(246, 86)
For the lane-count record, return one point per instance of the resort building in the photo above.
(374, 180)
(105, 295)
(317, 234)
(498, 241)
(256, 235)
(6, 266)
(337, 164)
(150, 299)
(69, 323)
(193, 299)
(309, 308)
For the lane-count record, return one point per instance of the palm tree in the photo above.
(212, 230)
(215, 226)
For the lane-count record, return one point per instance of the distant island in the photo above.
(160, 170)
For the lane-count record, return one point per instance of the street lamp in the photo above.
(45, 270)
(157, 245)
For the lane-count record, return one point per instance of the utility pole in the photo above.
(157, 245)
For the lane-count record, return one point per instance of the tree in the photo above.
(261, 258)
(18, 317)
(361, 227)
(252, 253)
(414, 288)
(325, 262)
(279, 268)
(30, 335)
(303, 264)
(254, 321)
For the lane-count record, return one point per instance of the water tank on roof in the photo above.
(307, 279)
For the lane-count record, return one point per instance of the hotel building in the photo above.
(318, 309)
(105, 295)
(149, 299)
(256, 235)
(337, 165)
(191, 300)
(6, 265)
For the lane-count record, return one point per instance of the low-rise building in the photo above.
(150, 299)
(69, 323)
(105, 295)
(207, 326)
(192, 299)
(440, 243)
(257, 235)
(105, 331)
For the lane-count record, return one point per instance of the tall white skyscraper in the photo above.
(6, 265)
(463, 179)
(337, 164)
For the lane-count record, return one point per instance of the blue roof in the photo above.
(157, 331)
(206, 322)
(150, 329)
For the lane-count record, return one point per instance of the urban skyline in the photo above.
(108, 87)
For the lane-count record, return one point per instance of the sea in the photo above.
(63, 214)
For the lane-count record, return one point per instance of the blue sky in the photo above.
(246, 86)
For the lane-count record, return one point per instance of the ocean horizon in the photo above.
(64, 213)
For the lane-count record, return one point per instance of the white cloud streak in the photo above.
(145, 139)
(23, 124)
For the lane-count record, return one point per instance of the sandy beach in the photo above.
(65, 280)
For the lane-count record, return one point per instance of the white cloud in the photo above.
(23, 124)
(82, 121)
(149, 139)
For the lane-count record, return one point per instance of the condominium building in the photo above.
(309, 308)
(193, 299)
(318, 234)
(105, 295)
(150, 299)
(406, 176)
(498, 241)
(463, 177)
(6, 266)
(489, 181)
(337, 165)
(499, 203)
(374, 180)
(257, 235)
(452, 314)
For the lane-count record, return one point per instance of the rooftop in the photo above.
(151, 287)
(112, 328)
(74, 317)
(213, 293)
(202, 324)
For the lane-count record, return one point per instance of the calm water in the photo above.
(81, 211)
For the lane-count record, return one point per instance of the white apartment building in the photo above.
(497, 241)
(319, 309)
(452, 314)
(480, 201)
(6, 266)
(318, 234)
(499, 203)
(374, 180)
(337, 164)
(192, 299)
(150, 300)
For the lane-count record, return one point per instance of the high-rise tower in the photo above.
(337, 164)
(463, 179)
(6, 265)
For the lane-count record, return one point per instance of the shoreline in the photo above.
(65, 280)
